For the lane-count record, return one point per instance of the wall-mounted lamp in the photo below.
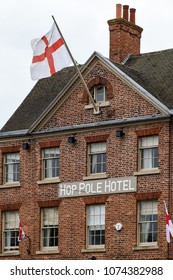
(120, 133)
(25, 146)
(93, 258)
(71, 139)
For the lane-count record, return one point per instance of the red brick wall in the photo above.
(122, 154)
(122, 160)
(125, 103)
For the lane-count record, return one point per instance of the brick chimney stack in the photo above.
(125, 35)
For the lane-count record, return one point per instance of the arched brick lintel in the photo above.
(94, 82)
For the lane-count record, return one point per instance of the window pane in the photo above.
(91, 210)
(96, 224)
(149, 141)
(50, 227)
(12, 167)
(50, 216)
(149, 152)
(97, 220)
(11, 239)
(99, 93)
(98, 147)
(148, 219)
(50, 237)
(11, 220)
(97, 210)
(93, 164)
(98, 157)
(155, 157)
(11, 230)
(51, 162)
(91, 220)
(51, 152)
(91, 237)
(51, 168)
(98, 168)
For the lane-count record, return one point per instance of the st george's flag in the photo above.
(50, 55)
(21, 234)
(169, 226)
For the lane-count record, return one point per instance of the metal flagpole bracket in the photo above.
(97, 110)
(29, 245)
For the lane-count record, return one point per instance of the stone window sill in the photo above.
(47, 252)
(149, 247)
(93, 250)
(147, 172)
(10, 185)
(49, 181)
(102, 104)
(10, 253)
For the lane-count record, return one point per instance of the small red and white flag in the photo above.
(49, 55)
(21, 235)
(169, 226)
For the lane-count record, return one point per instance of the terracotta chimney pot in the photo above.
(118, 10)
(132, 15)
(126, 12)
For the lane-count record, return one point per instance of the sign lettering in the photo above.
(97, 187)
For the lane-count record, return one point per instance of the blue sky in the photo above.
(84, 27)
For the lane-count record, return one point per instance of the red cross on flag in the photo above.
(49, 55)
(21, 235)
(169, 226)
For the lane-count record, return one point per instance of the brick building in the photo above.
(88, 183)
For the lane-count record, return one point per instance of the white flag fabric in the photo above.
(49, 55)
(169, 227)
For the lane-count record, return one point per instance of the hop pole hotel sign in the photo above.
(98, 187)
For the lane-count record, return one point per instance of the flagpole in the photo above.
(165, 206)
(96, 107)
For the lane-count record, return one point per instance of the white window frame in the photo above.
(10, 231)
(148, 145)
(95, 150)
(11, 167)
(49, 224)
(147, 223)
(95, 93)
(48, 163)
(95, 221)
